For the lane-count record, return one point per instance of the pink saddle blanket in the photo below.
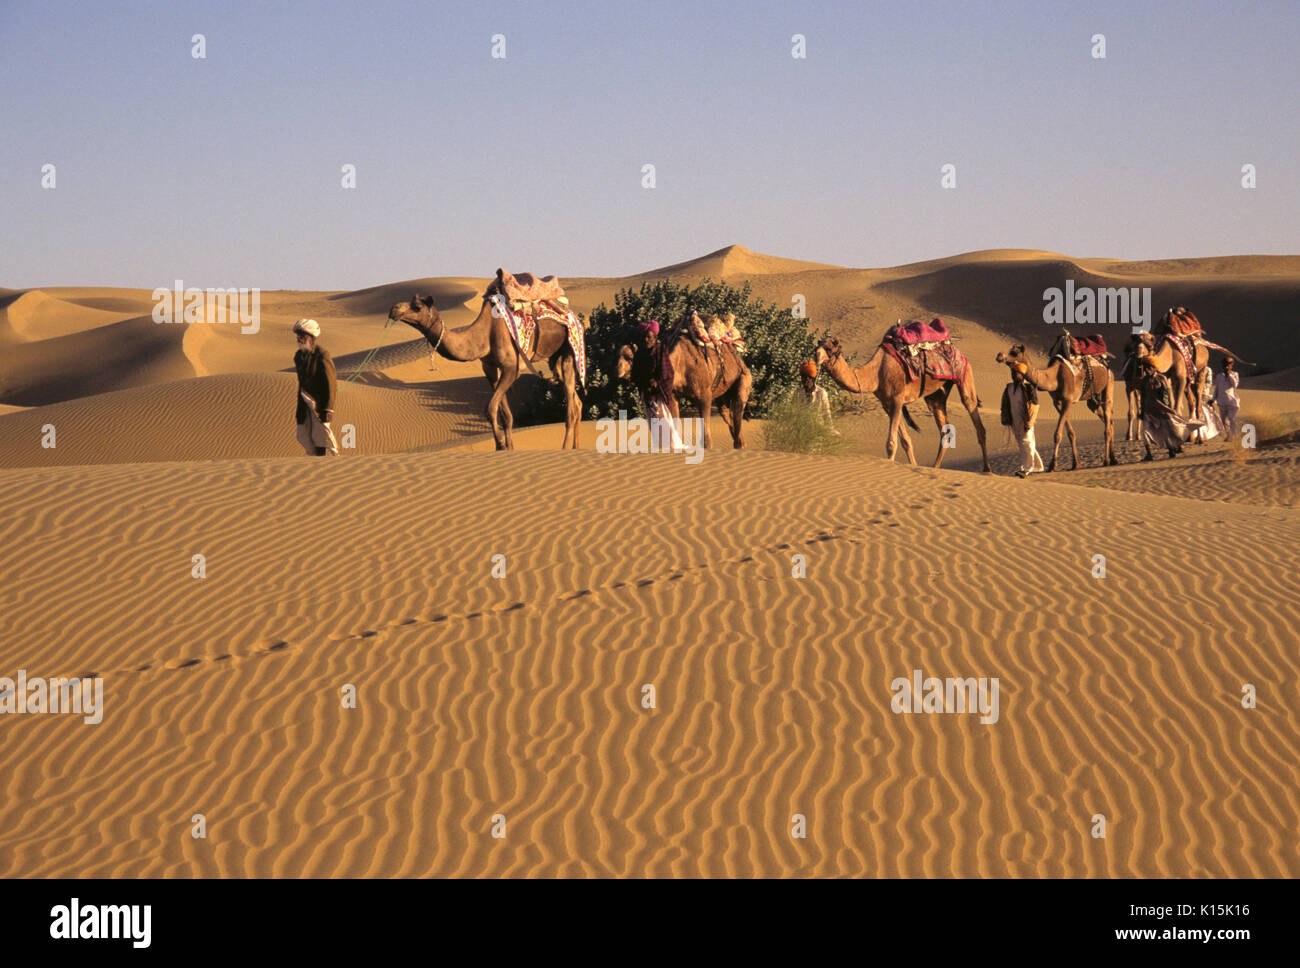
(918, 331)
(526, 287)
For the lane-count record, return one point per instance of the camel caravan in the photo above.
(525, 320)
(1166, 376)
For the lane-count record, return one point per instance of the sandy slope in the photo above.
(521, 696)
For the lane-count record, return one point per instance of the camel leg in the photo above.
(1131, 432)
(740, 392)
(1056, 437)
(896, 432)
(492, 372)
(706, 413)
(1177, 389)
(1074, 450)
(1194, 404)
(971, 401)
(891, 438)
(496, 403)
(939, 410)
(739, 400)
(1105, 411)
(568, 373)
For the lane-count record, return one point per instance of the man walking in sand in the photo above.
(815, 398)
(317, 389)
(1019, 412)
(1225, 394)
(652, 369)
(1162, 426)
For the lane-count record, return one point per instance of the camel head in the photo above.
(1016, 354)
(623, 365)
(828, 351)
(1140, 345)
(418, 313)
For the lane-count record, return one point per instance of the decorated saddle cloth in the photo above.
(925, 348)
(522, 319)
(716, 331)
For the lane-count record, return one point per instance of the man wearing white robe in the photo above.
(1021, 403)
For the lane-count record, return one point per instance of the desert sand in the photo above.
(486, 702)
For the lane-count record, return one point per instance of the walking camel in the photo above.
(488, 340)
(1184, 387)
(1138, 345)
(703, 376)
(1088, 379)
(884, 376)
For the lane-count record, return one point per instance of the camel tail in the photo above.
(910, 422)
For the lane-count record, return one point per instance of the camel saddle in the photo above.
(1178, 321)
(1093, 345)
(527, 288)
(716, 331)
(918, 331)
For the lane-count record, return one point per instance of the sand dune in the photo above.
(480, 696)
(235, 416)
(735, 260)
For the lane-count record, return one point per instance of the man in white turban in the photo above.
(317, 390)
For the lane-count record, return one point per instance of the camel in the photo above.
(884, 376)
(1133, 350)
(488, 341)
(1183, 387)
(703, 376)
(1065, 383)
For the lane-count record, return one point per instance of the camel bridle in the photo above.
(838, 357)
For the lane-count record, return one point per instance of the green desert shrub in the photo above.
(793, 426)
(776, 342)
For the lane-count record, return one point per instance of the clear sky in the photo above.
(226, 171)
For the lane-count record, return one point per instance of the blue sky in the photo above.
(226, 171)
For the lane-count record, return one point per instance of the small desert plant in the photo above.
(795, 427)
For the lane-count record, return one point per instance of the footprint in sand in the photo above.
(271, 645)
(180, 663)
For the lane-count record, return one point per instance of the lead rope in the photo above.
(361, 367)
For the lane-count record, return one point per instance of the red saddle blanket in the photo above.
(1180, 322)
(941, 362)
(918, 332)
(1092, 345)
